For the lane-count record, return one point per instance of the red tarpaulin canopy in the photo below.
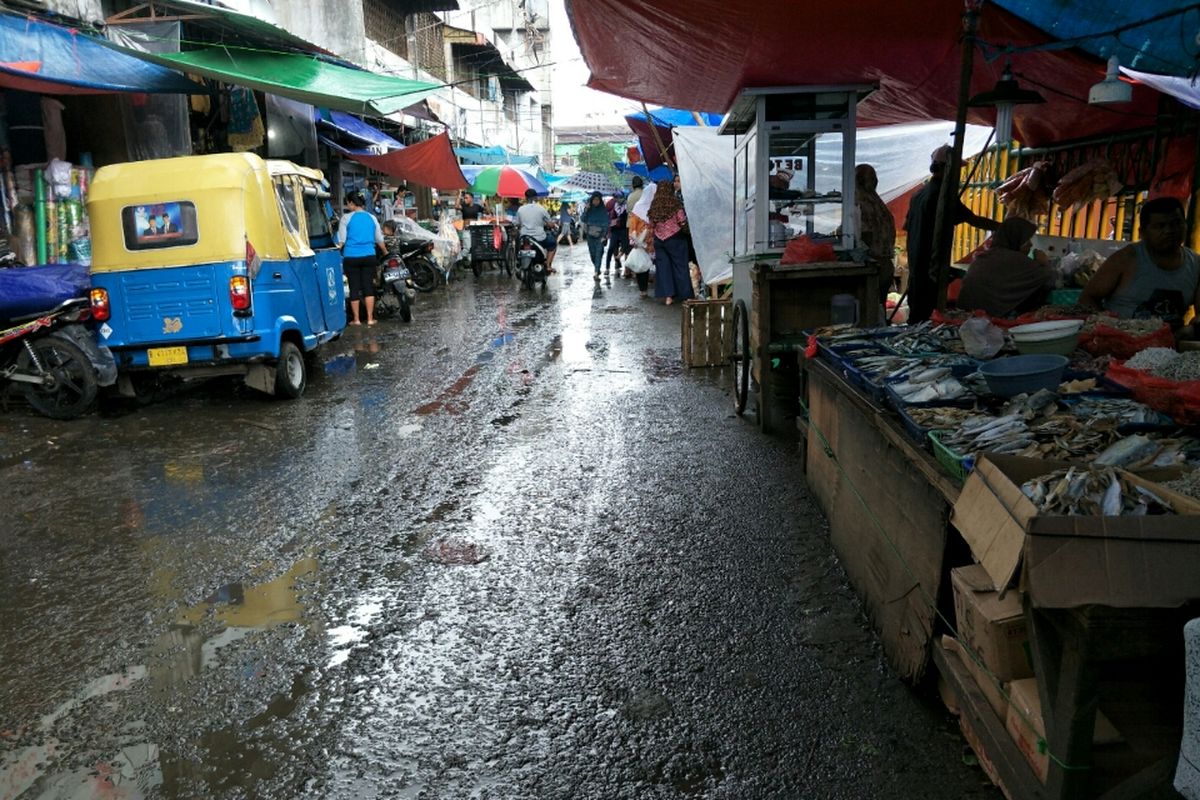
(700, 53)
(428, 163)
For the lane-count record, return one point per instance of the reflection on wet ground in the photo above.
(509, 550)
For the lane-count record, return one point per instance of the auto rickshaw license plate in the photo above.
(167, 356)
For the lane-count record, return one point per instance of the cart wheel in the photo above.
(739, 356)
(476, 267)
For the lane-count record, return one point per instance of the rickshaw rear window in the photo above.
(157, 225)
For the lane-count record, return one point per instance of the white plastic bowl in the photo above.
(1045, 331)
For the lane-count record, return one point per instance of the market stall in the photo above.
(796, 253)
(1036, 546)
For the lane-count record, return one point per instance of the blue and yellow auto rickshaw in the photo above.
(214, 265)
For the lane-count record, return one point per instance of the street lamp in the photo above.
(1003, 96)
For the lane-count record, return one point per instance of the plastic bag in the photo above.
(980, 338)
(638, 261)
(803, 250)
(1104, 340)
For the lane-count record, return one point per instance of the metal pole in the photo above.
(943, 226)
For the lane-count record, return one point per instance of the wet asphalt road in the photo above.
(512, 550)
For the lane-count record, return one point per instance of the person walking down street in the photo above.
(876, 226)
(595, 228)
(672, 277)
(566, 224)
(360, 238)
(922, 214)
(618, 231)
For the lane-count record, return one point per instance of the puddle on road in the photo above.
(131, 767)
(661, 365)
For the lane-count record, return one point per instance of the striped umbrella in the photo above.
(505, 181)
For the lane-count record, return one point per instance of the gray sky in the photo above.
(574, 103)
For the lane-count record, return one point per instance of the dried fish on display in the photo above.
(1077, 386)
(1042, 403)
(1188, 484)
(1134, 327)
(1184, 367)
(929, 384)
(1152, 358)
(1093, 492)
(923, 338)
(1123, 409)
(1140, 451)
(939, 417)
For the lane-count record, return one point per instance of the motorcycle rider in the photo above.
(534, 220)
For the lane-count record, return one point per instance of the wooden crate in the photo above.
(707, 332)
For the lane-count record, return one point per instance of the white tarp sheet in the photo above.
(899, 153)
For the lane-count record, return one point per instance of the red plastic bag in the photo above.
(1185, 406)
(1178, 399)
(803, 250)
(1104, 340)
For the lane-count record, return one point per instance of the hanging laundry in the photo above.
(246, 129)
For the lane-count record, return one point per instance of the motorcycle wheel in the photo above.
(405, 308)
(385, 304)
(425, 274)
(71, 386)
(526, 272)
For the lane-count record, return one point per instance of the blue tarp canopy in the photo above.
(674, 117)
(491, 156)
(659, 173)
(1166, 46)
(355, 128)
(38, 57)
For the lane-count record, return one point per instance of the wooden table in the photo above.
(863, 467)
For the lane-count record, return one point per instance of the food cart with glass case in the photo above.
(793, 176)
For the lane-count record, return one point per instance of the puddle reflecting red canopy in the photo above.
(700, 53)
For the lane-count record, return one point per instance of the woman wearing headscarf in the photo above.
(1003, 279)
(672, 279)
(595, 228)
(876, 226)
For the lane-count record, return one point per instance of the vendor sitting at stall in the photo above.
(1155, 277)
(1004, 280)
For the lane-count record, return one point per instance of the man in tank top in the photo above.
(1155, 277)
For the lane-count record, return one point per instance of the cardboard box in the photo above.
(991, 626)
(994, 693)
(1122, 562)
(1026, 727)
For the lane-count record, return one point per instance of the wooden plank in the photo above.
(1015, 774)
(1067, 688)
(914, 515)
(890, 428)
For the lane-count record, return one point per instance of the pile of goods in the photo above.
(1183, 367)
(929, 384)
(1189, 484)
(1027, 193)
(1093, 492)
(1095, 180)
(1152, 358)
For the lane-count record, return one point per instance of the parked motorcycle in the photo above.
(396, 289)
(415, 254)
(54, 360)
(531, 262)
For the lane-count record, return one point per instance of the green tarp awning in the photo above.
(302, 78)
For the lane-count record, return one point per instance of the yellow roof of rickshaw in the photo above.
(141, 180)
(278, 166)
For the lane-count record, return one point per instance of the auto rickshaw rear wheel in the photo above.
(290, 372)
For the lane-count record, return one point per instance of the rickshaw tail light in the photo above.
(101, 310)
(239, 293)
